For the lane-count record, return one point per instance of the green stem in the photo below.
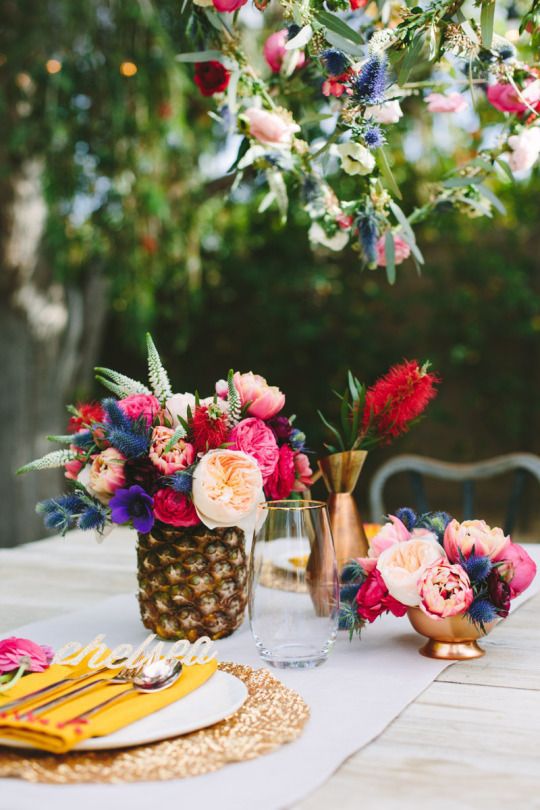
(14, 680)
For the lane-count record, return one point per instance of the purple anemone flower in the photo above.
(133, 505)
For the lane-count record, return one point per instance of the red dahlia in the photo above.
(209, 428)
(398, 398)
(87, 413)
(211, 77)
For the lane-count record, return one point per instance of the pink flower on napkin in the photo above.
(13, 649)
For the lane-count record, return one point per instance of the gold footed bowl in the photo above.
(452, 639)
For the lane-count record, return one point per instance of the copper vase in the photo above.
(340, 472)
(451, 639)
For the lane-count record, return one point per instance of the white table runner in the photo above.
(353, 697)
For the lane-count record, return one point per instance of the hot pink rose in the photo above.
(473, 536)
(107, 473)
(391, 533)
(281, 482)
(179, 457)
(73, 468)
(445, 590)
(140, 405)
(518, 569)
(270, 128)
(303, 472)
(504, 97)
(13, 649)
(228, 5)
(256, 439)
(446, 103)
(373, 599)
(402, 250)
(264, 401)
(274, 51)
(174, 508)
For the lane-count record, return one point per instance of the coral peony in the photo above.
(281, 482)
(474, 537)
(373, 599)
(444, 590)
(271, 128)
(15, 652)
(107, 473)
(262, 400)
(398, 398)
(446, 103)
(86, 414)
(174, 508)
(517, 568)
(211, 77)
(274, 51)
(402, 564)
(391, 533)
(303, 473)
(140, 406)
(227, 487)
(180, 456)
(505, 98)
(255, 438)
(402, 250)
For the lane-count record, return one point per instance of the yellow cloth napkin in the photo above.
(46, 731)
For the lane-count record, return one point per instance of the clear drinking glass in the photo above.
(293, 584)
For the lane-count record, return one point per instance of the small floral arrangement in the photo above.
(19, 656)
(386, 410)
(149, 455)
(443, 567)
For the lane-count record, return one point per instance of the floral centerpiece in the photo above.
(453, 579)
(187, 474)
(369, 416)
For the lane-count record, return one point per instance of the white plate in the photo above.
(282, 550)
(218, 698)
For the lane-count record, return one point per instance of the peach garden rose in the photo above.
(107, 474)
(473, 537)
(401, 566)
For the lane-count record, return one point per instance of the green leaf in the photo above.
(344, 413)
(390, 255)
(344, 45)
(487, 17)
(66, 439)
(386, 172)
(178, 434)
(332, 429)
(334, 23)
(352, 386)
(242, 149)
(200, 56)
(411, 58)
(494, 200)
(505, 167)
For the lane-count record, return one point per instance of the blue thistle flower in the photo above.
(334, 61)
(407, 516)
(373, 137)
(93, 517)
(367, 231)
(370, 85)
(435, 522)
(353, 573)
(348, 593)
(115, 416)
(292, 31)
(130, 443)
(477, 567)
(297, 440)
(482, 611)
(84, 439)
(60, 513)
(181, 481)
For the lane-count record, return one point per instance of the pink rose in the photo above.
(140, 405)
(391, 533)
(402, 250)
(446, 103)
(222, 389)
(281, 482)
(107, 474)
(373, 599)
(525, 149)
(73, 468)
(13, 649)
(264, 401)
(174, 508)
(180, 456)
(256, 439)
(518, 569)
(504, 97)
(270, 128)
(473, 537)
(445, 590)
(303, 472)
(274, 51)
(369, 564)
(228, 5)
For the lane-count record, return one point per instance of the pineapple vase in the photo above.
(192, 581)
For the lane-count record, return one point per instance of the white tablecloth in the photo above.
(353, 697)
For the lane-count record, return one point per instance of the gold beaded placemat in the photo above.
(271, 716)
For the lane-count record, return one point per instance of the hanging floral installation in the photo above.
(321, 96)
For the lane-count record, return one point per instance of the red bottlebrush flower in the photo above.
(398, 398)
(209, 428)
(87, 413)
(211, 77)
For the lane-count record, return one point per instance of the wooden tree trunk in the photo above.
(49, 338)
